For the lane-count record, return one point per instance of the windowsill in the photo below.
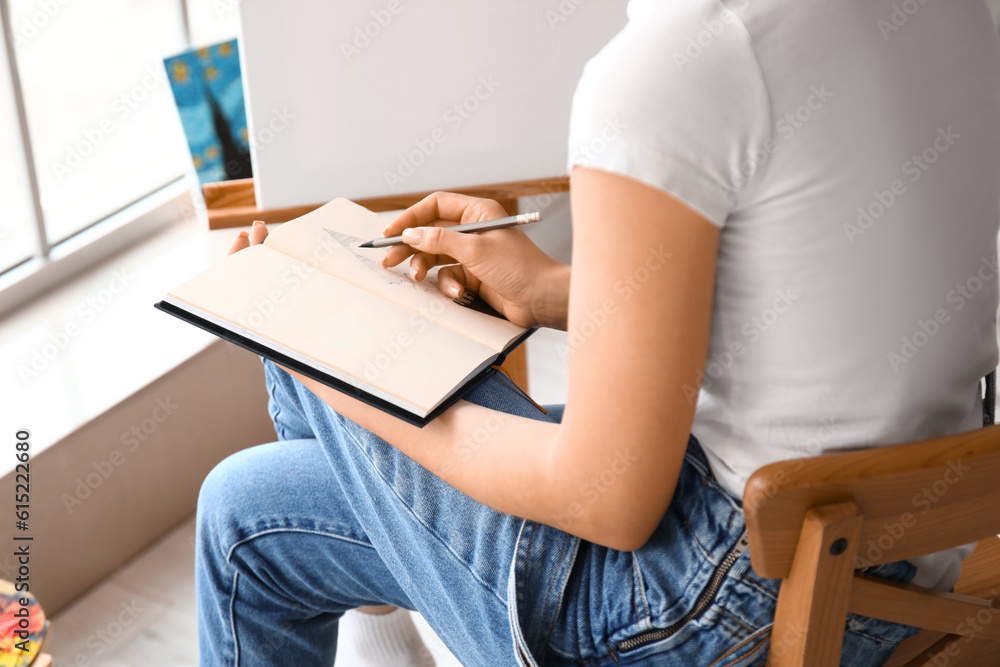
(85, 346)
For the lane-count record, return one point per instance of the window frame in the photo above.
(53, 263)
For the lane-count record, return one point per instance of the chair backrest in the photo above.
(813, 521)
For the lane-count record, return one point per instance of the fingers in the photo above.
(245, 239)
(242, 241)
(451, 282)
(447, 206)
(397, 254)
(438, 209)
(462, 248)
(258, 232)
(422, 263)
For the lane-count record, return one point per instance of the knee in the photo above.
(213, 487)
(223, 498)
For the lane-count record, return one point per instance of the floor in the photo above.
(144, 615)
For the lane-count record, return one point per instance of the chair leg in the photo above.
(812, 603)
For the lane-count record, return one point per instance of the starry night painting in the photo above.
(208, 91)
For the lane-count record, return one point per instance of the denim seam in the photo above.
(714, 486)
(548, 595)
(514, 600)
(687, 524)
(859, 631)
(736, 621)
(707, 479)
(696, 462)
(522, 554)
(229, 554)
(611, 651)
(232, 620)
(415, 516)
(272, 391)
(743, 579)
(641, 585)
(529, 544)
(281, 394)
(761, 636)
(567, 566)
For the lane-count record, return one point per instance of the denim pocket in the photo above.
(733, 627)
(702, 603)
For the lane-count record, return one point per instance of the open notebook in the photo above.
(311, 300)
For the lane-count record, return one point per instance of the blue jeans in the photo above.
(292, 534)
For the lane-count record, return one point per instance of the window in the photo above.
(213, 21)
(88, 125)
(17, 230)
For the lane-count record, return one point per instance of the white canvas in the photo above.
(378, 97)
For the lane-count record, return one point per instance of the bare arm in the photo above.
(639, 313)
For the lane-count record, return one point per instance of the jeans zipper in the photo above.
(700, 605)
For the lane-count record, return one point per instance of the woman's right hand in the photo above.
(503, 266)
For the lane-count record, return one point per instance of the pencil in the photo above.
(483, 226)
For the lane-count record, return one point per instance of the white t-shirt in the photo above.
(850, 153)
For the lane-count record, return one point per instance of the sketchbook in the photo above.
(311, 300)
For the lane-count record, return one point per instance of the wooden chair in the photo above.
(808, 520)
(234, 204)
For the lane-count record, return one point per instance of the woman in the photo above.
(778, 211)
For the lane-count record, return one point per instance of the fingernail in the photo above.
(384, 265)
(244, 234)
(413, 272)
(412, 235)
(258, 222)
(454, 291)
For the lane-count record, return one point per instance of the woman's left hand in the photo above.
(257, 234)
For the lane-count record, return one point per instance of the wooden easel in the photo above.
(234, 204)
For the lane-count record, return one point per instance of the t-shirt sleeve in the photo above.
(676, 100)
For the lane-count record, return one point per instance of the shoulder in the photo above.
(674, 41)
(676, 99)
